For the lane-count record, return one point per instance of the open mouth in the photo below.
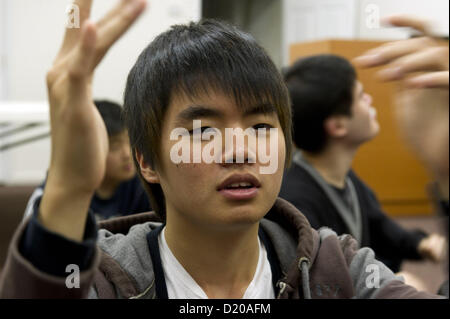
(239, 187)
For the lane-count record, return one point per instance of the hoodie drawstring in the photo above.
(303, 265)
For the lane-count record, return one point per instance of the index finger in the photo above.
(417, 23)
(81, 11)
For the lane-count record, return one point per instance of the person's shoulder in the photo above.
(361, 187)
(130, 251)
(132, 182)
(135, 235)
(132, 186)
(297, 180)
(300, 189)
(295, 171)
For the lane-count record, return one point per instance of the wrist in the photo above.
(64, 211)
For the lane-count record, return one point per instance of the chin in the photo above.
(126, 177)
(376, 130)
(241, 215)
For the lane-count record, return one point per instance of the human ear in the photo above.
(336, 126)
(148, 173)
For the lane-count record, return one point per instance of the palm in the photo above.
(79, 138)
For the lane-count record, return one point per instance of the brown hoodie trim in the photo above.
(306, 249)
(298, 224)
(111, 272)
(349, 247)
(330, 277)
(103, 287)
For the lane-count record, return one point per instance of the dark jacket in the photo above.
(390, 241)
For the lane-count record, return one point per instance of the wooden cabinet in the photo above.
(385, 163)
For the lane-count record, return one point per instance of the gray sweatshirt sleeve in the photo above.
(372, 279)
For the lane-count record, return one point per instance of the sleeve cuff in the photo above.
(52, 253)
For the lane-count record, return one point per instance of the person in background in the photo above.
(332, 118)
(120, 192)
(420, 68)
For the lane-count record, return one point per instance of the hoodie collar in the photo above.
(296, 245)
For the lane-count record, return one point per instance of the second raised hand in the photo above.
(402, 60)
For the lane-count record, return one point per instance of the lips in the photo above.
(128, 167)
(239, 187)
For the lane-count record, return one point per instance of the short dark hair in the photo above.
(111, 114)
(320, 86)
(193, 59)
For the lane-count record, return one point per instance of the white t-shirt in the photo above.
(180, 285)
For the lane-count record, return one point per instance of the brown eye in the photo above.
(262, 125)
(201, 131)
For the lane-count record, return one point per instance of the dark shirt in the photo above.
(390, 242)
(344, 194)
(129, 198)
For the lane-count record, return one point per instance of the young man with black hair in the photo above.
(120, 192)
(332, 118)
(214, 241)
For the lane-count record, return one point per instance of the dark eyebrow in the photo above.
(194, 112)
(197, 111)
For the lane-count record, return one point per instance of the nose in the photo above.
(368, 98)
(239, 147)
(126, 152)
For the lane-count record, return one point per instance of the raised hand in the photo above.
(420, 68)
(79, 139)
(422, 62)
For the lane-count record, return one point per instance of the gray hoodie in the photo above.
(314, 264)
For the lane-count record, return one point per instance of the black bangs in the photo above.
(198, 59)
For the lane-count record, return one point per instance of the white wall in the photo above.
(265, 26)
(313, 20)
(434, 10)
(33, 31)
(26, 163)
(2, 49)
